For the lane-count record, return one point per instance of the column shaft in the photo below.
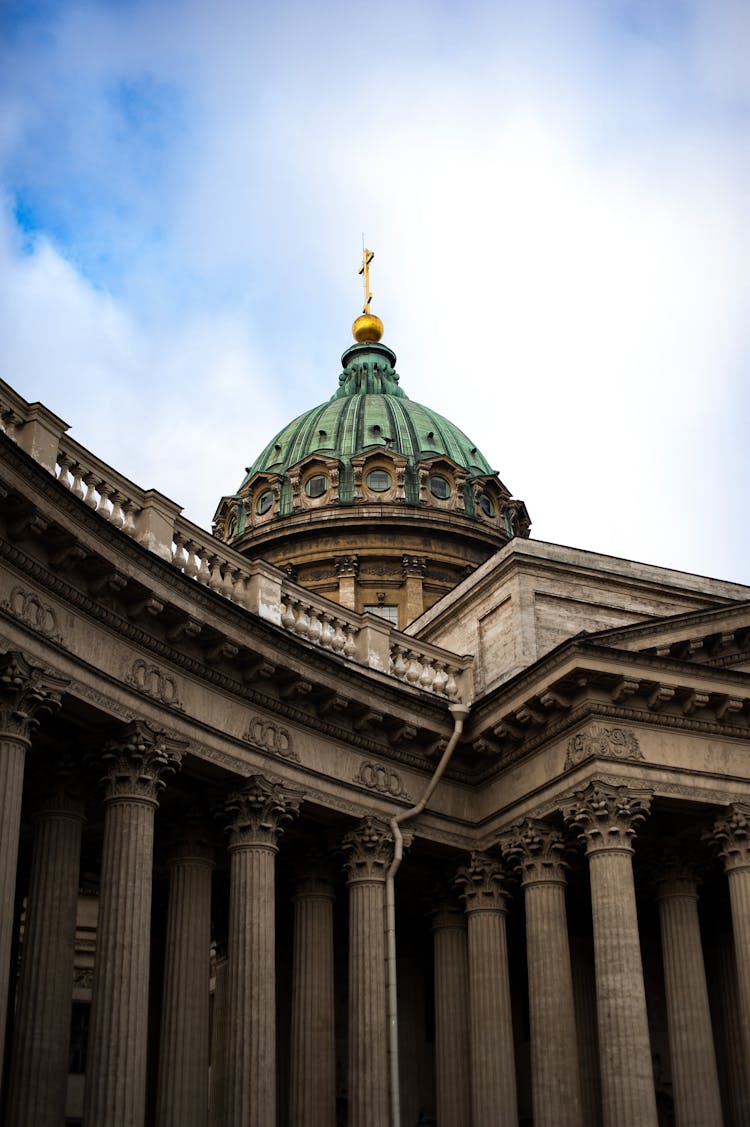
(625, 1053)
(12, 759)
(368, 1048)
(493, 1075)
(607, 817)
(39, 1067)
(313, 1059)
(555, 1081)
(115, 1090)
(735, 1081)
(695, 1083)
(250, 1099)
(184, 1052)
(452, 1020)
(739, 893)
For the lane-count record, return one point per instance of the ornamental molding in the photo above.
(602, 742)
(266, 735)
(29, 609)
(383, 779)
(152, 681)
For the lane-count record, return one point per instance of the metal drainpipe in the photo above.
(460, 712)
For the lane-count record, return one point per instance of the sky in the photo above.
(556, 192)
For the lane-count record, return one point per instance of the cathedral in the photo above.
(363, 809)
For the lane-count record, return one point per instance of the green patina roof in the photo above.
(369, 411)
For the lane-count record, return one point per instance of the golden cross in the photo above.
(367, 257)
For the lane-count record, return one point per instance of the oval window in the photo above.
(440, 487)
(379, 481)
(316, 485)
(485, 504)
(264, 502)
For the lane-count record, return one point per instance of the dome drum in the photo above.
(371, 473)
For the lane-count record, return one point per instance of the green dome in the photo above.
(369, 411)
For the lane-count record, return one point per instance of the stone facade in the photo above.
(199, 763)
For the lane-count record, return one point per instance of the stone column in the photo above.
(115, 1090)
(182, 1099)
(369, 850)
(39, 1068)
(453, 1086)
(733, 1078)
(606, 818)
(414, 570)
(313, 1056)
(731, 835)
(25, 693)
(256, 813)
(493, 1072)
(584, 995)
(538, 849)
(219, 1043)
(695, 1082)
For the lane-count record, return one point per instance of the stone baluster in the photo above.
(369, 850)
(182, 1099)
(25, 693)
(256, 814)
(695, 1082)
(731, 835)
(313, 1060)
(115, 1091)
(537, 849)
(39, 1068)
(493, 1073)
(606, 818)
(452, 1080)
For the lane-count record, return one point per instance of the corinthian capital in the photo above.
(481, 884)
(731, 837)
(536, 849)
(257, 812)
(606, 816)
(368, 849)
(136, 759)
(26, 691)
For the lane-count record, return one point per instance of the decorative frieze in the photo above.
(603, 742)
(28, 608)
(376, 776)
(266, 735)
(154, 682)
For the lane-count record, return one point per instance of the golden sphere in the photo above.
(367, 329)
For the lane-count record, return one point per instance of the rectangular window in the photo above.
(389, 613)
(79, 1037)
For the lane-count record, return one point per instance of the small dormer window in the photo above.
(440, 487)
(486, 505)
(316, 485)
(379, 481)
(264, 502)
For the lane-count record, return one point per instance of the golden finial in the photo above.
(367, 328)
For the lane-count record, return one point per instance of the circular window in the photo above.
(485, 504)
(264, 502)
(440, 487)
(379, 481)
(316, 485)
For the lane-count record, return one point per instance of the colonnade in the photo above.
(474, 1035)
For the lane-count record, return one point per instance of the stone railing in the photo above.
(155, 521)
